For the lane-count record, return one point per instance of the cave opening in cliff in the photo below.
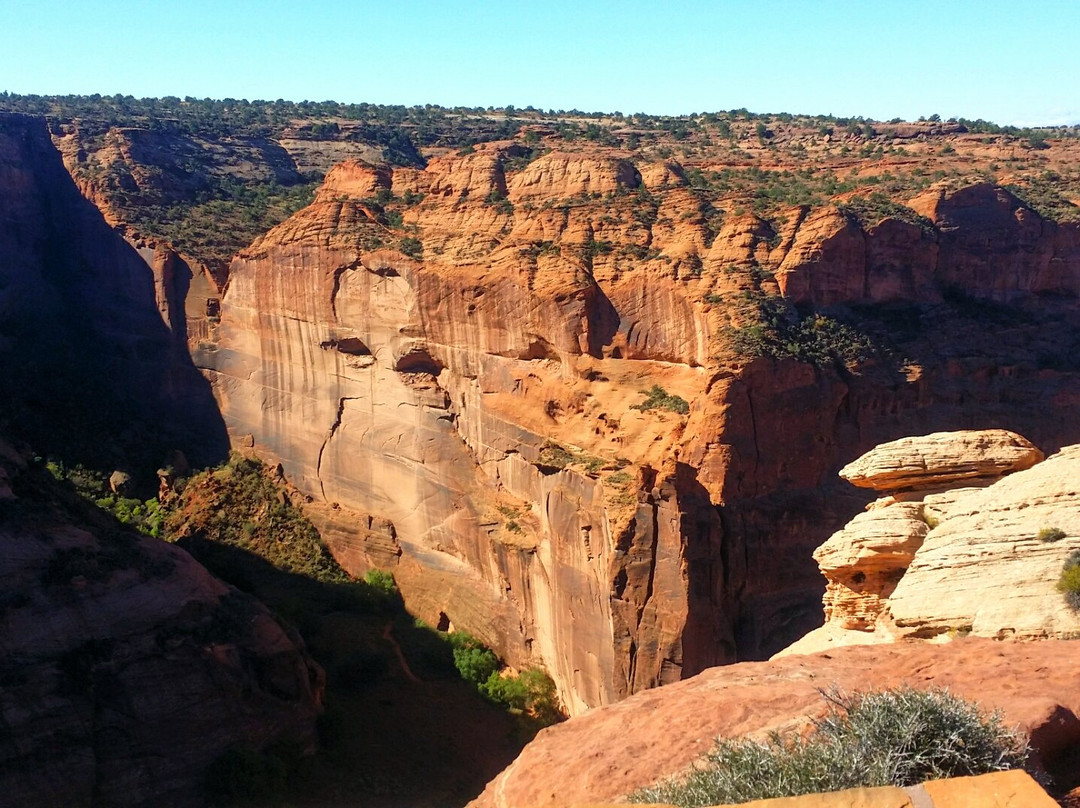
(418, 361)
(353, 346)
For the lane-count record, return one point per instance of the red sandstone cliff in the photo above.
(414, 378)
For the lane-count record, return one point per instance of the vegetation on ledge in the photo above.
(898, 737)
(780, 332)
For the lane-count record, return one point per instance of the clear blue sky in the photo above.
(1009, 62)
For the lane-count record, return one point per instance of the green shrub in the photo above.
(780, 333)
(657, 398)
(552, 455)
(1069, 582)
(412, 247)
(381, 580)
(473, 660)
(532, 691)
(896, 737)
(1050, 534)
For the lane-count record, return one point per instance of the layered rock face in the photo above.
(128, 669)
(615, 750)
(457, 392)
(958, 551)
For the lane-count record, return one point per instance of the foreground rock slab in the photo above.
(615, 750)
(128, 670)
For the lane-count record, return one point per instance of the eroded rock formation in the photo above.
(963, 553)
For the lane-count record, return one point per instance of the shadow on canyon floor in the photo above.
(400, 727)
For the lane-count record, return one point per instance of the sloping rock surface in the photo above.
(128, 670)
(984, 568)
(614, 750)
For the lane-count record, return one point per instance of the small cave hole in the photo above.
(418, 361)
(353, 347)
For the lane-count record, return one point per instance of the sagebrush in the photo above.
(895, 737)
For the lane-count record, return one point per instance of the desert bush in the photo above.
(532, 692)
(781, 333)
(1051, 534)
(473, 660)
(411, 247)
(895, 737)
(657, 398)
(552, 455)
(1069, 582)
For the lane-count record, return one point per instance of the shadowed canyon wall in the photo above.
(93, 336)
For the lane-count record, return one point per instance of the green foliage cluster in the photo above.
(553, 455)
(240, 505)
(1051, 534)
(1069, 582)
(657, 398)
(412, 247)
(531, 692)
(1043, 193)
(867, 211)
(781, 333)
(474, 661)
(593, 248)
(895, 737)
(146, 516)
(498, 200)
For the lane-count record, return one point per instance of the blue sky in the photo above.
(1004, 61)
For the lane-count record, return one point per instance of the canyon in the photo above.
(470, 417)
(584, 398)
